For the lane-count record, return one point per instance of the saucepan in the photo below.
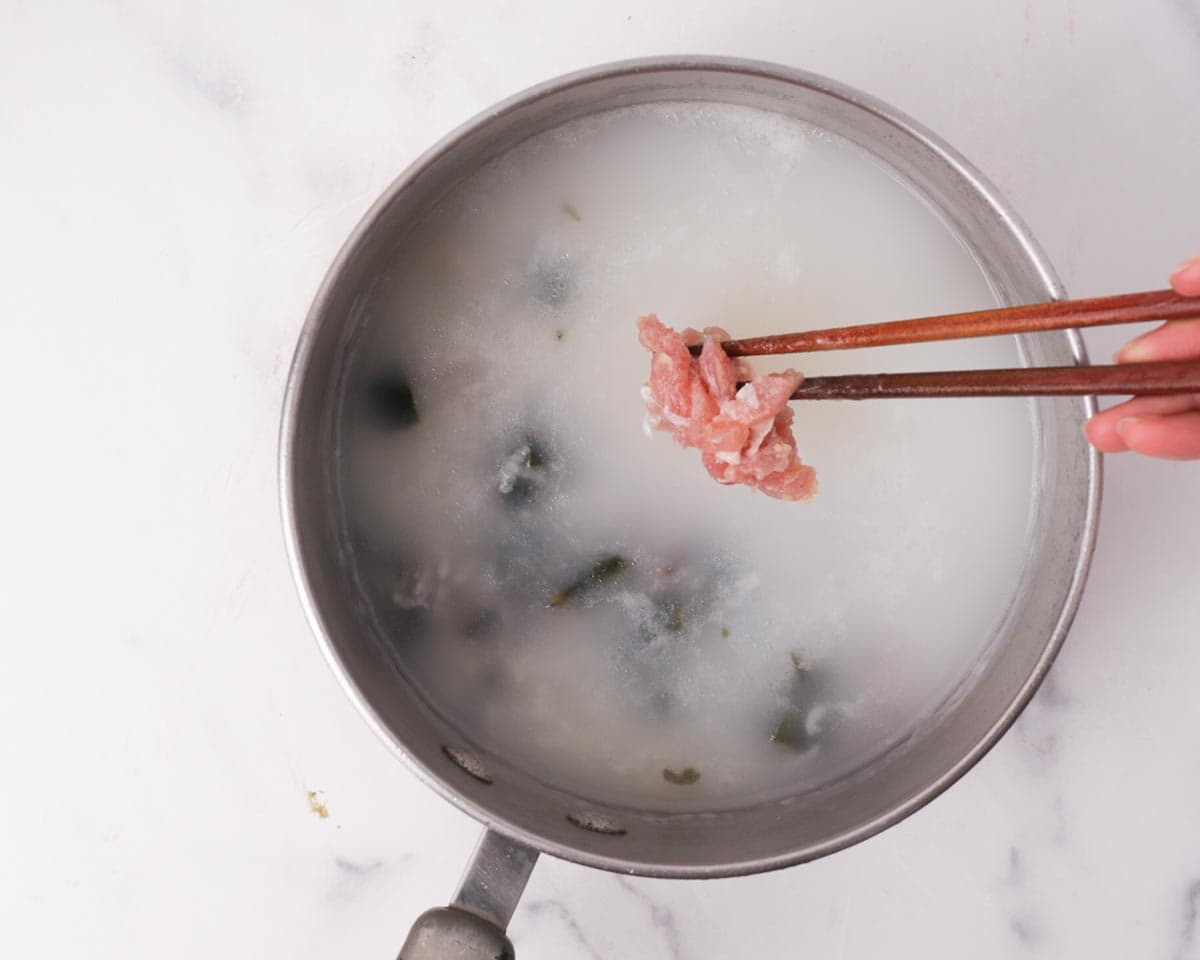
(522, 814)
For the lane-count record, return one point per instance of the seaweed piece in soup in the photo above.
(524, 473)
(792, 730)
(684, 778)
(795, 729)
(604, 571)
(390, 402)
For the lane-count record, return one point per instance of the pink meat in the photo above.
(744, 436)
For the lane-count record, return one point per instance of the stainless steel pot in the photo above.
(523, 816)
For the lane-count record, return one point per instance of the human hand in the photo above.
(1167, 427)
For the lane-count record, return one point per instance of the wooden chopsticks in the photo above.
(1033, 318)
(1145, 379)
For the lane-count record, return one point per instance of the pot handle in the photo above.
(472, 927)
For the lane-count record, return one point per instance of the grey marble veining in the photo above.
(542, 908)
(1191, 910)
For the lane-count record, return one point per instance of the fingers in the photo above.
(1166, 427)
(1102, 428)
(1179, 340)
(1175, 437)
(1186, 278)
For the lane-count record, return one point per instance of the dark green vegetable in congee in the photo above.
(524, 473)
(584, 587)
(390, 402)
(796, 727)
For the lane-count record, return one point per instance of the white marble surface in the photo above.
(173, 182)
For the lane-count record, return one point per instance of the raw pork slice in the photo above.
(744, 435)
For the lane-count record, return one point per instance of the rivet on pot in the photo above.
(468, 762)
(596, 822)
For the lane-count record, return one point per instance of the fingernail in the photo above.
(1132, 352)
(1124, 425)
(1191, 263)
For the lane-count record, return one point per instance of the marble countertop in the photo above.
(176, 178)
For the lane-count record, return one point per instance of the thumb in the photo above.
(1186, 278)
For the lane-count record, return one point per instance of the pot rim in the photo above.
(906, 127)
